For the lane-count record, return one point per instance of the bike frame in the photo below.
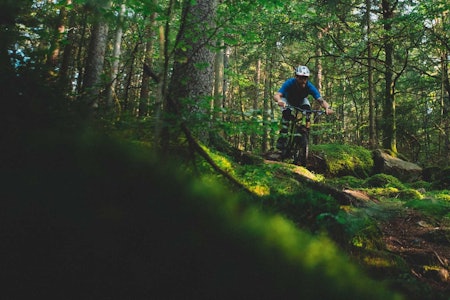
(297, 147)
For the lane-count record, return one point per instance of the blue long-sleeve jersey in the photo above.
(294, 94)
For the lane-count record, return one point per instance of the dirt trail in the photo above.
(423, 244)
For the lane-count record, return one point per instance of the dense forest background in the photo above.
(383, 65)
(189, 86)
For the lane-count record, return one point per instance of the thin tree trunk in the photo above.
(390, 127)
(266, 106)
(254, 135)
(115, 58)
(319, 80)
(148, 65)
(218, 81)
(67, 56)
(81, 54)
(372, 125)
(128, 105)
(445, 104)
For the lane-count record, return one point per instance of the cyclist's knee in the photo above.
(287, 115)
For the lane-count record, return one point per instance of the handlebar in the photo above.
(307, 111)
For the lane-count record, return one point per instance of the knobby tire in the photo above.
(301, 150)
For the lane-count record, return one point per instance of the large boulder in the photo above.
(385, 163)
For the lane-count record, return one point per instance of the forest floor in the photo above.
(421, 241)
(423, 244)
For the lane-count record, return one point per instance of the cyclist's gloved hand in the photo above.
(329, 111)
(287, 115)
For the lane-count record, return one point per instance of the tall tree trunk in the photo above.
(161, 131)
(218, 81)
(254, 135)
(95, 60)
(193, 71)
(148, 72)
(80, 53)
(127, 100)
(67, 56)
(319, 79)
(115, 58)
(372, 125)
(445, 104)
(390, 127)
(266, 105)
(226, 82)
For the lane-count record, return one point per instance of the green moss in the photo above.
(345, 182)
(386, 192)
(383, 180)
(345, 160)
(410, 194)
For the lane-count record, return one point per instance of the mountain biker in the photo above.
(295, 91)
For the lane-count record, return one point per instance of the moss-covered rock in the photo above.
(382, 181)
(343, 160)
(386, 163)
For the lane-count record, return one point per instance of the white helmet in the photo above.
(302, 71)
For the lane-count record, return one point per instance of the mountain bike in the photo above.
(297, 145)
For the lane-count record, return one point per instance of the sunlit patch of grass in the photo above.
(431, 268)
(260, 190)
(306, 173)
(387, 192)
(442, 195)
(264, 179)
(378, 262)
(223, 162)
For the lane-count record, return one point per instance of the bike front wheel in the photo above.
(301, 151)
